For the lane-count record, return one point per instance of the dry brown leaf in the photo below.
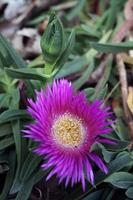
(127, 59)
(130, 99)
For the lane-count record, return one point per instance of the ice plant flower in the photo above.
(66, 127)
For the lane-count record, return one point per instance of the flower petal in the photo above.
(98, 162)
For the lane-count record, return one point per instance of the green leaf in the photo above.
(10, 54)
(108, 194)
(94, 195)
(112, 15)
(89, 92)
(88, 30)
(101, 20)
(17, 139)
(6, 142)
(71, 67)
(65, 54)
(40, 174)
(121, 129)
(9, 176)
(37, 62)
(5, 129)
(76, 10)
(25, 190)
(116, 165)
(106, 154)
(129, 192)
(27, 186)
(31, 163)
(15, 98)
(4, 100)
(101, 88)
(17, 184)
(3, 157)
(78, 63)
(11, 58)
(120, 145)
(3, 168)
(34, 74)
(120, 179)
(112, 48)
(92, 52)
(103, 93)
(13, 114)
(85, 76)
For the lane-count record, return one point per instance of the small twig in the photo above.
(123, 82)
(128, 25)
(124, 91)
(122, 32)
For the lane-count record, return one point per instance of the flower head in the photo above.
(66, 127)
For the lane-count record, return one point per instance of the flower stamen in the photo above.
(68, 130)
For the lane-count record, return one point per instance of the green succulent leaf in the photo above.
(67, 51)
(9, 176)
(13, 114)
(120, 179)
(9, 57)
(112, 48)
(6, 142)
(129, 192)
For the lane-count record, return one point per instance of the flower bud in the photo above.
(52, 41)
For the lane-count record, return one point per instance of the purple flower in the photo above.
(66, 127)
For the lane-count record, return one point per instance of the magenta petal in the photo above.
(83, 182)
(98, 162)
(89, 171)
(107, 141)
(50, 175)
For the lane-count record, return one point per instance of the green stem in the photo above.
(48, 69)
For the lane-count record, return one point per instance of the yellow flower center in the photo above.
(68, 130)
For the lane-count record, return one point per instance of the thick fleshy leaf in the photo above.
(112, 48)
(120, 179)
(129, 192)
(13, 114)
